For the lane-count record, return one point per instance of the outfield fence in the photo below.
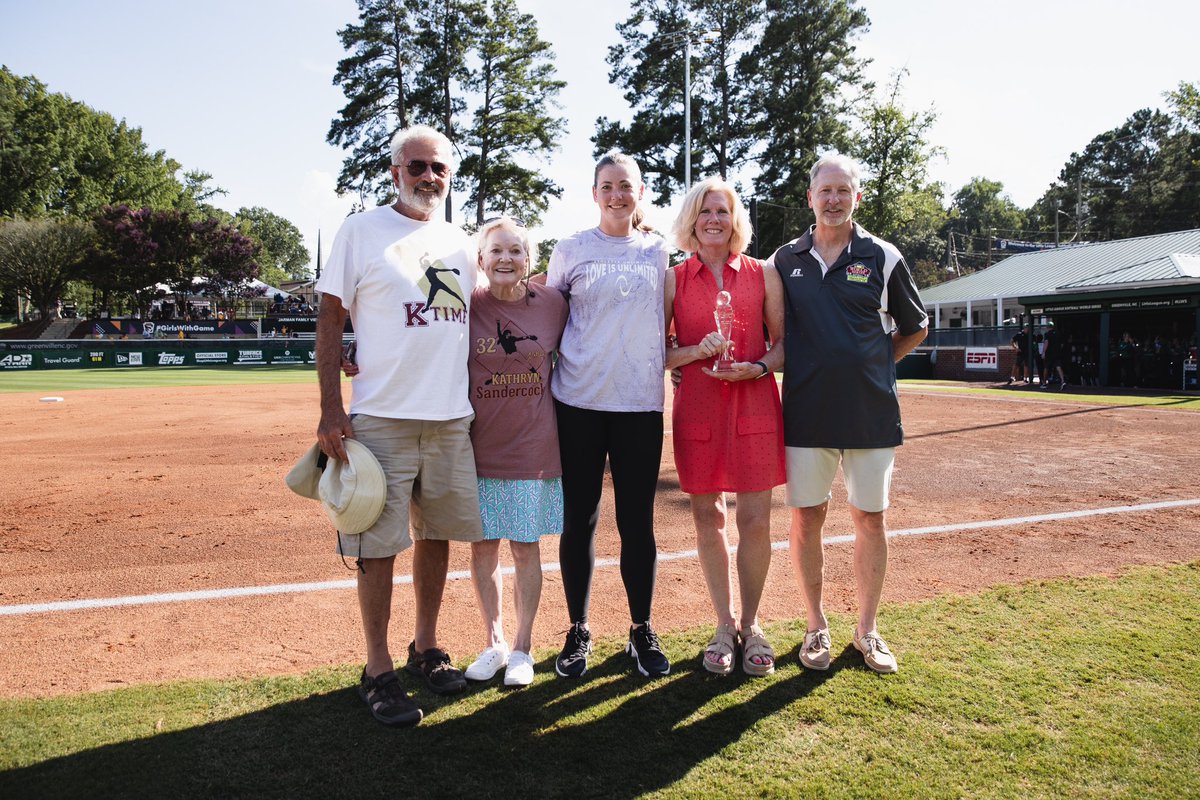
(134, 354)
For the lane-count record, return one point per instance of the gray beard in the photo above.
(413, 199)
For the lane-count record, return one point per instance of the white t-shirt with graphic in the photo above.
(407, 285)
(612, 351)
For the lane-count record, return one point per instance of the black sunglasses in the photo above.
(520, 223)
(417, 168)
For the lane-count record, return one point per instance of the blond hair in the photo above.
(683, 230)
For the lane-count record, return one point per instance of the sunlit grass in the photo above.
(1090, 397)
(1080, 688)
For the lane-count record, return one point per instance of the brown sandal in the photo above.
(723, 645)
(756, 646)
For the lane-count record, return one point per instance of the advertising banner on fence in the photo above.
(160, 329)
(294, 355)
(130, 359)
(82, 354)
(986, 359)
(11, 361)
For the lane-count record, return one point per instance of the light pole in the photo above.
(687, 34)
(687, 111)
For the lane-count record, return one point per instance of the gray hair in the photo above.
(425, 133)
(837, 160)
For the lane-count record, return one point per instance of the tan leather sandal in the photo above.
(755, 646)
(723, 645)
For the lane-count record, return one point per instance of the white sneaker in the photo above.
(488, 664)
(520, 669)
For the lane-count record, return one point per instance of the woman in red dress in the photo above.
(727, 424)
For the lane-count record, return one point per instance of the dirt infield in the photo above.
(133, 492)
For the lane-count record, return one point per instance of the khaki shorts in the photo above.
(431, 484)
(868, 474)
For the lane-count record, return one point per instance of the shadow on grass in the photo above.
(611, 734)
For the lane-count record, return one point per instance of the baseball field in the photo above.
(174, 621)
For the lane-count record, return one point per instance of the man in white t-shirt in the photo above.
(405, 278)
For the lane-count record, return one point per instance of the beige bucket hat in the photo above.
(351, 492)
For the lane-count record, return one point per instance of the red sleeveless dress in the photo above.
(728, 437)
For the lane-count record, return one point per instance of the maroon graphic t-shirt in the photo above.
(514, 432)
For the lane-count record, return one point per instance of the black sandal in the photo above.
(388, 701)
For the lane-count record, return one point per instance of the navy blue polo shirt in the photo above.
(839, 377)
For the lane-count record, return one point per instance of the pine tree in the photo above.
(806, 77)
(513, 121)
(406, 64)
(649, 63)
(422, 62)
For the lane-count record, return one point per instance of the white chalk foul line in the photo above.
(458, 575)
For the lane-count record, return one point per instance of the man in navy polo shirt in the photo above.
(852, 312)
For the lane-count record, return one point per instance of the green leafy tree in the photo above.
(1181, 160)
(1185, 102)
(806, 76)
(227, 262)
(649, 61)
(979, 211)
(40, 257)
(137, 249)
(282, 254)
(900, 203)
(513, 121)
(61, 157)
(544, 248)
(1123, 184)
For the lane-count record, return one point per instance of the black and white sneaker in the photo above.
(572, 661)
(647, 651)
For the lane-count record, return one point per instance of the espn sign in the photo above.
(982, 358)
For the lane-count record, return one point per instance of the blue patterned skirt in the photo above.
(520, 510)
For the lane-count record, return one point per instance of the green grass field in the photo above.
(69, 380)
(73, 380)
(1068, 688)
(1190, 402)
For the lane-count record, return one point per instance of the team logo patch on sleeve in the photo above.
(858, 273)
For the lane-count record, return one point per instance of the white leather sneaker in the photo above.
(488, 664)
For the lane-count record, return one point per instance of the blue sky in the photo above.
(243, 89)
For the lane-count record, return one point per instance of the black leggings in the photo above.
(632, 441)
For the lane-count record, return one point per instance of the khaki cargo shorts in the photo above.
(432, 492)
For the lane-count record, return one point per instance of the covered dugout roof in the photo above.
(1165, 259)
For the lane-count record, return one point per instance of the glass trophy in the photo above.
(723, 314)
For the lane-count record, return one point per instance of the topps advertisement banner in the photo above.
(16, 356)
